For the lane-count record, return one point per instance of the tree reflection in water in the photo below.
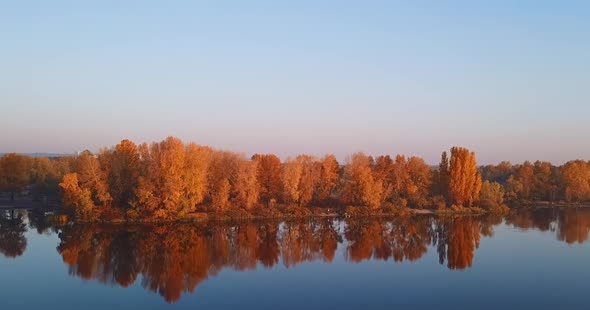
(13, 242)
(459, 241)
(174, 259)
(572, 225)
(400, 239)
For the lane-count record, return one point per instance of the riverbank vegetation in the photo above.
(171, 180)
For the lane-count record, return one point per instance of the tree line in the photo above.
(540, 181)
(170, 179)
(39, 175)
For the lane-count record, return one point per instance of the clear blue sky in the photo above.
(508, 79)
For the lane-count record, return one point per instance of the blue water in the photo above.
(528, 259)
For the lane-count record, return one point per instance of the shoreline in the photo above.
(287, 214)
(205, 218)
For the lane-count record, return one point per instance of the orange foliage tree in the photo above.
(362, 187)
(161, 185)
(576, 180)
(247, 187)
(223, 177)
(14, 173)
(405, 181)
(196, 165)
(76, 200)
(300, 177)
(464, 178)
(269, 177)
(92, 177)
(122, 171)
(329, 174)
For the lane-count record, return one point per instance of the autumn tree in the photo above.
(247, 187)
(393, 175)
(92, 177)
(14, 173)
(520, 184)
(45, 175)
(497, 173)
(400, 178)
(545, 185)
(361, 186)
(309, 178)
(223, 173)
(491, 195)
(76, 200)
(420, 181)
(329, 172)
(464, 178)
(161, 184)
(220, 196)
(404, 180)
(291, 177)
(299, 179)
(269, 177)
(576, 180)
(122, 167)
(196, 164)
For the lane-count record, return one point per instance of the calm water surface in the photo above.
(528, 259)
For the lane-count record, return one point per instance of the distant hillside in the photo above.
(41, 154)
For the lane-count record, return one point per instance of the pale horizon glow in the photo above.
(508, 80)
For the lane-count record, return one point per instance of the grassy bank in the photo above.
(283, 213)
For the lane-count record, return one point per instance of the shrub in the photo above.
(492, 197)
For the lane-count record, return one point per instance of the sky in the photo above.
(507, 79)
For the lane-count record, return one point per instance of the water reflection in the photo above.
(12, 233)
(174, 259)
(458, 241)
(400, 239)
(39, 222)
(572, 225)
